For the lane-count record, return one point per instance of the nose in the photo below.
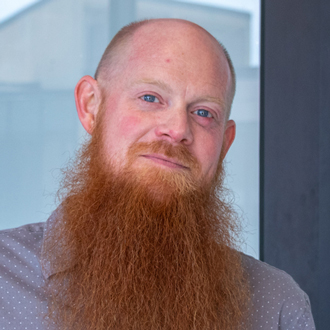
(174, 126)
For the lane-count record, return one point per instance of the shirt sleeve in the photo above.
(277, 301)
(296, 316)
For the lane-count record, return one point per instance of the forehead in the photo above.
(184, 51)
(181, 41)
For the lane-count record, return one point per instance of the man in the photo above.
(144, 237)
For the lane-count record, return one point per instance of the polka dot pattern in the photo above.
(277, 300)
(22, 298)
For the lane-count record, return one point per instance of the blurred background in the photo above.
(47, 45)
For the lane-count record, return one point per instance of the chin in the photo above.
(163, 181)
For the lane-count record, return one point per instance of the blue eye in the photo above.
(150, 98)
(203, 113)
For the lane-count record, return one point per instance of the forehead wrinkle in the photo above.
(156, 82)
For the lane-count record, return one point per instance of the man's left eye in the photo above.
(203, 113)
(150, 98)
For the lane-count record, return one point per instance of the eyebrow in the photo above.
(212, 99)
(158, 83)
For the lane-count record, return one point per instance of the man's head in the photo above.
(146, 234)
(162, 80)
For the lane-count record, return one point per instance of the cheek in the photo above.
(120, 135)
(214, 155)
(129, 124)
(210, 151)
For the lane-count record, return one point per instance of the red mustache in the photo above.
(179, 153)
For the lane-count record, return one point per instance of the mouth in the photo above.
(165, 161)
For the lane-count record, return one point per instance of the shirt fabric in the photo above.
(277, 300)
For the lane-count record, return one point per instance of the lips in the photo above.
(165, 161)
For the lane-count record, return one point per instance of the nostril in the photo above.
(174, 135)
(174, 126)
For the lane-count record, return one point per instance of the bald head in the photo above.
(182, 31)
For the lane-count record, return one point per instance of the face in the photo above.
(172, 89)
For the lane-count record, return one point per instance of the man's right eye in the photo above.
(150, 98)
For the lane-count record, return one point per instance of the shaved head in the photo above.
(118, 46)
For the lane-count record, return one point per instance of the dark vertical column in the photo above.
(295, 145)
(324, 170)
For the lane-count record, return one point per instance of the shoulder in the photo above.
(29, 228)
(32, 229)
(277, 300)
(24, 240)
(21, 279)
(262, 275)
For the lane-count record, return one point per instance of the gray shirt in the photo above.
(277, 300)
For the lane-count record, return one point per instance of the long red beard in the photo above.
(140, 261)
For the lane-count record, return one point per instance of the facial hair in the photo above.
(145, 247)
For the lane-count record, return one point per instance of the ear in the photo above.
(229, 136)
(88, 98)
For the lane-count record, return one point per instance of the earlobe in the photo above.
(88, 98)
(229, 137)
